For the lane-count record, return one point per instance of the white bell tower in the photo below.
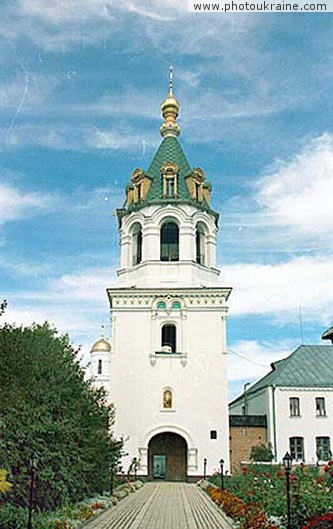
(168, 363)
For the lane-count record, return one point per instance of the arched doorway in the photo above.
(167, 457)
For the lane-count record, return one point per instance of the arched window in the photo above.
(136, 244)
(169, 336)
(161, 305)
(167, 399)
(200, 245)
(176, 305)
(99, 367)
(169, 241)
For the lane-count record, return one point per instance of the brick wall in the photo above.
(242, 438)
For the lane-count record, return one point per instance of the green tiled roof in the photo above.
(168, 151)
(308, 366)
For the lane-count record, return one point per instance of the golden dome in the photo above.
(102, 345)
(170, 110)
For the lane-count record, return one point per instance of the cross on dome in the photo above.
(170, 110)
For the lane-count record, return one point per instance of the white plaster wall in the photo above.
(200, 387)
(308, 425)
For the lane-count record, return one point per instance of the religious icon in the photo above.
(167, 399)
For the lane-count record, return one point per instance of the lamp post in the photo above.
(135, 465)
(222, 476)
(287, 462)
(111, 476)
(33, 465)
(205, 467)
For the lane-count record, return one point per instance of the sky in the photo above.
(80, 90)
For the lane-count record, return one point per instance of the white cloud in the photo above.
(16, 204)
(81, 138)
(86, 285)
(280, 289)
(298, 194)
(250, 360)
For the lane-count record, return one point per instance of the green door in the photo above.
(159, 466)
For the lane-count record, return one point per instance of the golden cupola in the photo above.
(170, 110)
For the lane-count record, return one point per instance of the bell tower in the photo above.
(168, 360)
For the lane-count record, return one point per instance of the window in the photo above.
(213, 434)
(167, 399)
(200, 244)
(197, 190)
(169, 337)
(139, 192)
(297, 448)
(161, 305)
(170, 186)
(136, 244)
(169, 242)
(294, 407)
(176, 305)
(169, 173)
(323, 448)
(99, 367)
(320, 407)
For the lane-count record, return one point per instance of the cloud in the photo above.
(80, 137)
(16, 204)
(298, 194)
(250, 360)
(88, 285)
(75, 303)
(280, 289)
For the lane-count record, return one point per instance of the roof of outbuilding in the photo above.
(308, 366)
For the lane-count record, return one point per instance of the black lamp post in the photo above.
(111, 476)
(287, 462)
(33, 466)
(222, 476)
(205, 467)
(135, 465)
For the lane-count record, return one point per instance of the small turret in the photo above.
(101, 363)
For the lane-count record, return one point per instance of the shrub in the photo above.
(262, 452)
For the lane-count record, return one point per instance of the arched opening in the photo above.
(136, 244)
(169, 336)
(169, 241)
(99, 367)
(167, 457)
(200, 244)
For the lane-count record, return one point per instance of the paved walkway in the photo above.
(163, 506)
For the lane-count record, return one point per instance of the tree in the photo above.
(3, 306)
(47, 406)
(262, 452)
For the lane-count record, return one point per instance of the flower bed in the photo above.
(248, 516)
(69, 517)
(320, 522)
(265, 485)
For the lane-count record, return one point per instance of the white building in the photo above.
(297, 399)
(166, 372)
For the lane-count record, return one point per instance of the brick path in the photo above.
(163, 506)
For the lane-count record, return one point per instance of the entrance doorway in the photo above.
(167, 457)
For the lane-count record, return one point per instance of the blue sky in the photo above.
(80, 88)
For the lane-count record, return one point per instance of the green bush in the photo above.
(47, 406)
(12, 517)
